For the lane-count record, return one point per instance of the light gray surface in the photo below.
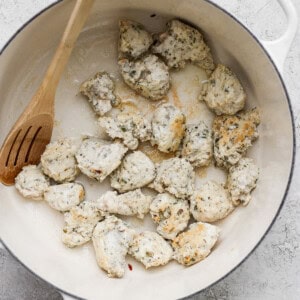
(273, 270)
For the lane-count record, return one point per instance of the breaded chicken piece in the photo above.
(168, 126)
(32, 183)
(98, 158)
(148, 76)
(136, 171)
(182, 43)
(128, 126)
(111, 239)
(63, 197)
(150, 249)
(233, 135)
(241, 180)
(211, 202)
(195, 244)
(58, 160)
(172, 215)
(80, 222)
(223, 92)
(134, 39)
(100, 92)
(175, 175)
(133, 203)
(197, 145)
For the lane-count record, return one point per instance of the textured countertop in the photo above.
(273, 270)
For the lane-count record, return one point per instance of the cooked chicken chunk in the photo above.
(98, 158)
(111, 239)
(223, 92)
(195, 244)
(172, 215)
(197, 145)
(133, 203)
(210, 203)
(233, 135)
(80, 222)
(175, 175)
(58, 160)
(136, 170)
(148, 76)
(150, 249)
(100, 92)
(182, 43)
(134, 39)
(242, 180)
(32, 183)
(64, 196)
(130, 127)
(168, 125)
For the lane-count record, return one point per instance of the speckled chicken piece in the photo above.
(233, 135)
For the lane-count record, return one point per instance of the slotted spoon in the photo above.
(32, 131)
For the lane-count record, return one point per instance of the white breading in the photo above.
(150, 249)
(168, 126)
(175, 175)
(211, 202)
(136, 171)
(223, 92)
(111, 239)
(148, 76)
(182, 43)
(64, 196)
(197, 145)
(133, 203)
(134, 39)
(98, 158)
(80, 222)
(128, 126)
(100, 92)
(233, 135)
(195, 244)
(31, 182)
(241, 180)
(58, 160)
(172, 215)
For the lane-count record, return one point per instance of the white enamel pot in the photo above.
(31, 230)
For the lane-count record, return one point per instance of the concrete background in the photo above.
(273, 270)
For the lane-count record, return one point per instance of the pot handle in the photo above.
(66, 297)
(278, 49)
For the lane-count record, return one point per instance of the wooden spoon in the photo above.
(28, 138)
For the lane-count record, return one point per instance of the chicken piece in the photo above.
(197, 145)
(111, 239)
(32, 183)
(182, 43)
(136, 171)
(195, 244)
(175, 175)
(223, 92)
(58, 160)
(64, 196)
(211, 202)
(100, 92)
(133, 203)
(233, 135)
(130, 127)
(241, 180)
(172, 215)
(150, 249)
(148, 76)
(134, 39)
(168, 126)
(80, 222)
(98, 158)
